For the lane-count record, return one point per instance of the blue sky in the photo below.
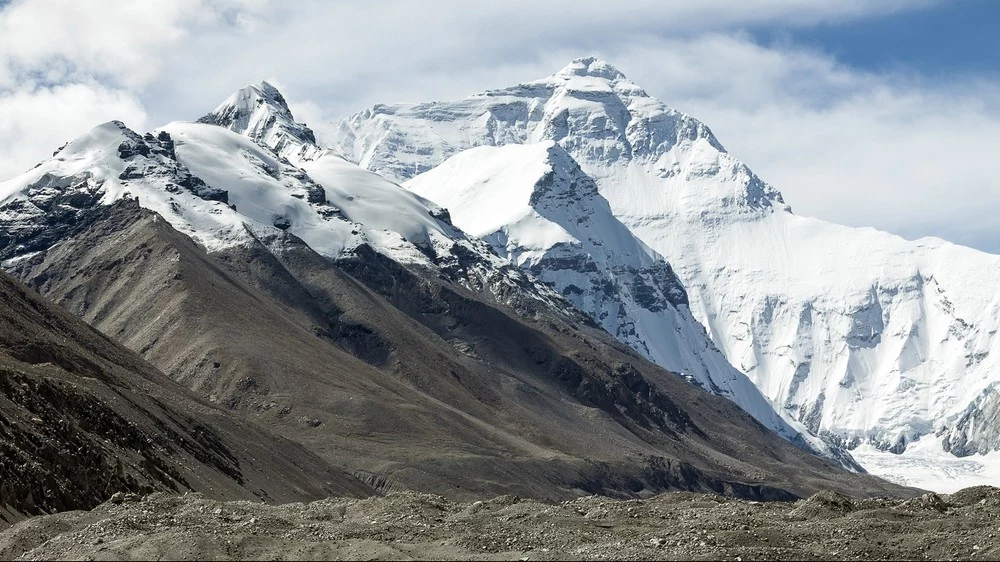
(957, 38)
(881, 113)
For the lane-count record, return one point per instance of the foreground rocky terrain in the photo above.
(674, 525)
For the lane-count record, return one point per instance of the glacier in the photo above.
(861, 335)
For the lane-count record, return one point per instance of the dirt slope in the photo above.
(82, 417)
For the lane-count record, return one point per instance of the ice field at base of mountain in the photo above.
(925, 465)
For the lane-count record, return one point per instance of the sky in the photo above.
(881, 113)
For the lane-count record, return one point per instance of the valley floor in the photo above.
(679, 525)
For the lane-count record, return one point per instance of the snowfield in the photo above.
(926, 465)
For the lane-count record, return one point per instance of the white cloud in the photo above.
(42, 120)
(58, 40)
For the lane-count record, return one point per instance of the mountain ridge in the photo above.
(420, 361)
(82, 418)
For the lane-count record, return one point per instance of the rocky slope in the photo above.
(858, 334)
(82, 418)
(365, 326)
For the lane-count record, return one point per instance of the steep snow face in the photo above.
(855, 332)
(535, 205)
(261, 113)
(331, 204)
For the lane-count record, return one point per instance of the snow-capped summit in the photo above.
(593, 111)
(261, 113)
(224, 189)
(221, 187)
(590, 66)
(855, 332)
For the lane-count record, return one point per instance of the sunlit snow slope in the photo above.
(855, 332)
(178, 171)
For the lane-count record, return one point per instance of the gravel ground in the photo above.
(964, 525)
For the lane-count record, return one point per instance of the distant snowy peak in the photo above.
(261, 113)
(590, 66)
(604, 120)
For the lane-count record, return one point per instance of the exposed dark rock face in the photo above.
(978, 429)
(57, 206)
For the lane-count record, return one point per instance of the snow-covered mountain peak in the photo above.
(512, 188)
(225, 189)
(590, 75)
(220, 188)
(590, 66)
(608, 124)
(854, 332)
(261, 113)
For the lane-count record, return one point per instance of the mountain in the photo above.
(347, 314)
(261, 113)
(536, 207)
(82, 418)
(859, 334)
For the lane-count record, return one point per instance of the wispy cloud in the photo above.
(35, 122)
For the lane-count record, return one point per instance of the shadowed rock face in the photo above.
(82, 418)
(978, 429)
